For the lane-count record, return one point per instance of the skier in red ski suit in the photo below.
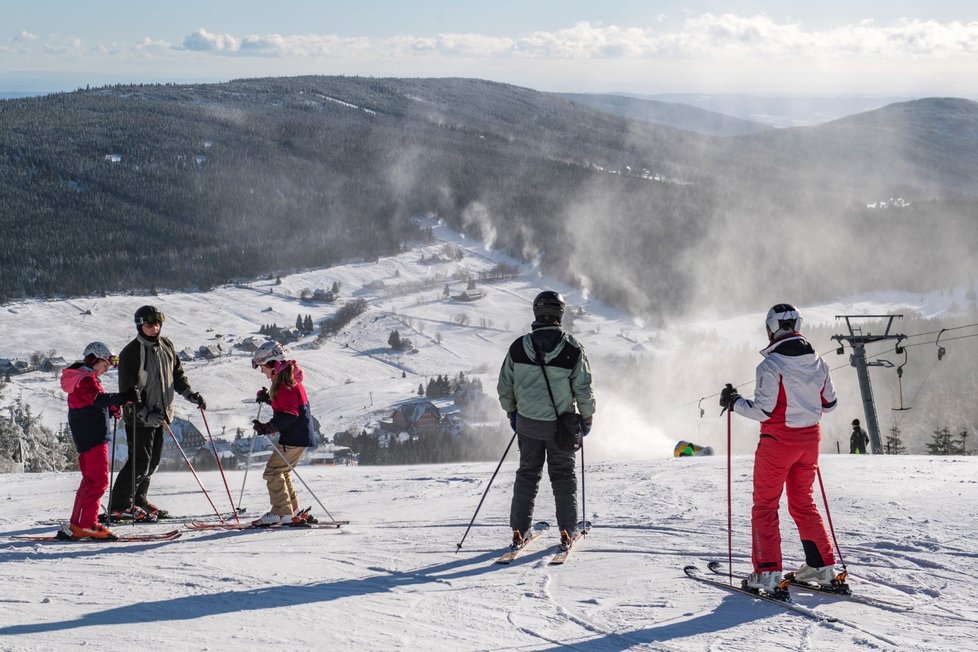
(793, 390)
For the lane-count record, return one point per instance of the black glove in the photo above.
(266, 428)
(512, 420)
(728, 396)
(197, 400)
(585, 424)
(262, 396)
(131, 395)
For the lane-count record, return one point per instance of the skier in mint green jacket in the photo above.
(523, 395)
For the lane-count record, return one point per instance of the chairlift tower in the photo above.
(858, 340)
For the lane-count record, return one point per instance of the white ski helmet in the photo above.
(782, 319)
(270, 351)
(100, 351)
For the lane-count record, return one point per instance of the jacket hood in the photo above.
(71, 376)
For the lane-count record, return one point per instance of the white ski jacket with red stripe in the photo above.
(793, 390)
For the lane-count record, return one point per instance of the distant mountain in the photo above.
(175, 186)
(779, 111)
(669, 114)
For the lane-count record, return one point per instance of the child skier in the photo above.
(292, 419)
(88, 419)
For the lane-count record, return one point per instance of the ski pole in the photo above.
(251, 450)
(506, 452)
(115, 427)
(584, 525)
(296, 474)
(132, 463)
(220, 467)
(828, 515)
(729, 505)
(191, 467)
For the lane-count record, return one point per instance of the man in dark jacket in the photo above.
(858, 439)
(524, 396)
(150, 363)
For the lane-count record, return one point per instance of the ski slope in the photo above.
(392, 578)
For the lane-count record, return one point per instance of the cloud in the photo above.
(711, 36)
(273, 45)
(24, 37)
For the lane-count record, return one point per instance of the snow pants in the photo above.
(278, 479)
(563, 482)
(94, 466)
(780, 465)
(145, 449)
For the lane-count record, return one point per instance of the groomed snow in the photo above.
(392, 578)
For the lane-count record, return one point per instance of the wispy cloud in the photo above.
(705, 36)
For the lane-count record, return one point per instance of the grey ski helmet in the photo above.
(782, 319)
(270, 351)
(148, 315)
(100, 351)
(548, 306)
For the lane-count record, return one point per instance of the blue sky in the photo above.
(830, 47)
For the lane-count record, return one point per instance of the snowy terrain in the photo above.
(392, 579)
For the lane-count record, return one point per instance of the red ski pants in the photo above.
(94, 465)
(778, 465)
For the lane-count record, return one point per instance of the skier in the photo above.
(292, 419)
(858, 439)
(88, 419)
(793, 390)
(523, 395)
(150, 363)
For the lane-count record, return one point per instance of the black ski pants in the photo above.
(563, 481)
(145, 454)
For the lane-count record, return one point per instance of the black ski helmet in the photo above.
(148, 315)
(548, 307)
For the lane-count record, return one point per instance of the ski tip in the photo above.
(541, 525)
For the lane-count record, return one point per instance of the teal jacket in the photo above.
(521, 385)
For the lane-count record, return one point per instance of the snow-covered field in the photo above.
(392, 578)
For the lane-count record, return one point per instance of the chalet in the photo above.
(210, 352)
(415, 417)
(324, 296)
(53, 363)
(186, 355)
(469, 295)
(186, 433)
(113, 158)
(250, 343)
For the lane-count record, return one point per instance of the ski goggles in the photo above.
(155, 318)
(113, 360)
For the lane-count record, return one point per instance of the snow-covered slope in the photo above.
(354, 377)
(392, 579)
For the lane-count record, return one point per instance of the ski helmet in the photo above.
(855, 422)
(270, 351)
(100, 351)
(148, 315)
(548, 306)
(782, 319)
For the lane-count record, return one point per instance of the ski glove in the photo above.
(512, 420)
(585, 424)
(262, 396)
(131, 395)
(197, 400)
(266, 428)
(728, 396)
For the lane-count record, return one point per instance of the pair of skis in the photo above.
(538, 529)
(319, 525)
(118, 538)
(717, 569)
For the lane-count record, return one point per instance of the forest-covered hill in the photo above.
(125, 187)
